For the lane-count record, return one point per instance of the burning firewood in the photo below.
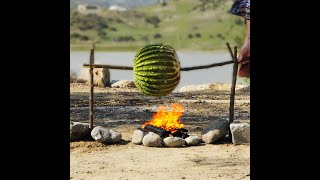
(166, 123)
(181, 133)
(161, 132)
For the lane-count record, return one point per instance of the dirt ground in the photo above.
(126, 109)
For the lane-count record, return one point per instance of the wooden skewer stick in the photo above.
(91, 88)
(182, 69)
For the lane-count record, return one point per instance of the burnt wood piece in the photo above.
(181, 134)
(161, 132)
(183, 130)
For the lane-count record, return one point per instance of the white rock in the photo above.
(192, 140)
(245, 89)
(173, 141)
(209, 87)
(215, 131)
(78, 130)
(123, 84)
(101, 76)
(104, 135)
(192, 88)
(152, 140)
(137, 137)
(240, 132)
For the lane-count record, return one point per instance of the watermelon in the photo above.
(156, 70)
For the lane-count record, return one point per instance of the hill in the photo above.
(184, 24)
(107, 3)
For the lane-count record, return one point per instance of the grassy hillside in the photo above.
(106, 3)
(184, 24)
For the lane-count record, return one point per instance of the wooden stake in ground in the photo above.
(233, 85)
(91, 88)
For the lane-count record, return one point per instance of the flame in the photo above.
(168, 120)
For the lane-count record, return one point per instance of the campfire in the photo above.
(165, 128)
(166, 122)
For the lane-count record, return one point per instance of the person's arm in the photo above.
(248, 29)
(245, 49)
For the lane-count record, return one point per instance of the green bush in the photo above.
(78, 36)
(154, 20)
(102, 34)
(123, 38)
(113, 29)
(157, 36)
(88, 22)
(219, 35)
(198, 35)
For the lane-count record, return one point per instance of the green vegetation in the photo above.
(154, 20)
(183, 24)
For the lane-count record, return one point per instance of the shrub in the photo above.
(88, 22)
(102, 34)
(79, 37)
(84, 38)
(156, 36)
(123, 38)
(113, 29)
(154, 20)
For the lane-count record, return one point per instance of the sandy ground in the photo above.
(126, 109)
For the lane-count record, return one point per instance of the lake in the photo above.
(212, 75)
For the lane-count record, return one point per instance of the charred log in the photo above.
(161, 132)
(183, 130)
(181, 134)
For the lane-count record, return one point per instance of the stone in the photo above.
(101, 76)
(245, 89)
(152, 140)
(137, 137)
(193, 88)
(240, 132)
(79, 131)
(105, 135)
(215, 131)
(192, 140)
(217, 87)
(173, 141)
(123, 84)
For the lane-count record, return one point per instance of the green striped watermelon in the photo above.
(156, 70)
